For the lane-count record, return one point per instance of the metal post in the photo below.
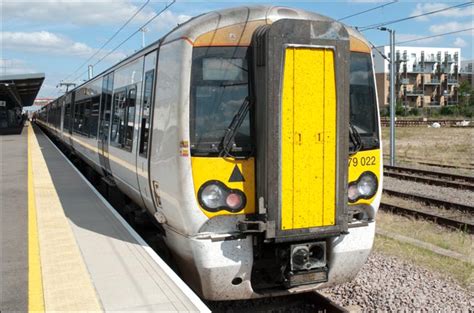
(143, 30)
(90, 72)
(392, 97)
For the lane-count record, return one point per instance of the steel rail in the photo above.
(430, 201)
(430, 177)
(437, 174)
(430, 181)
(441, 220)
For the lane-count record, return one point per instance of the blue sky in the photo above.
(57, 36)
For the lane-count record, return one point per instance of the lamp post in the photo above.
(392, 93)
(143, 30)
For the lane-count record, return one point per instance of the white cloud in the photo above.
(75, 12)
(450, 27)
(15, 66)
(459, 42)
(406, 37)
(422, 8)
(49, 43)
(168, 20)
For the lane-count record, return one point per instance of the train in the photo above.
(251, 137)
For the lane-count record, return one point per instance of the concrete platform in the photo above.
(82, 256)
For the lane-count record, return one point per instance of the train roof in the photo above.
(198, 27)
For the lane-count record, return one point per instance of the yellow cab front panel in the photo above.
(308, 138)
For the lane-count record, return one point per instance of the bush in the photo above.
(385, 111)
(449, 110)
(414, 111)
(400, 110)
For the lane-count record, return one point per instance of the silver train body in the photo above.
(141, 125)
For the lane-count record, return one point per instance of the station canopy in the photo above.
(20, 90)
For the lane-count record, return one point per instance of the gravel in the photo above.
(390, 284)
(443, 193)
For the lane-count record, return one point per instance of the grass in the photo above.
(426, 231)
(445, 145)
(460, 271)
(449, 146)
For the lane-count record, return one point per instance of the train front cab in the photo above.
(275, 149)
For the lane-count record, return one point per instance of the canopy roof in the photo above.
(20, 89)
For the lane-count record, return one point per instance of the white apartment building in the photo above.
(425, 76)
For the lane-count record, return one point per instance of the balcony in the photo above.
(448, 60)
(430, 59)
(433, 82)
(452, 82)
(414, 93)
(405, 81)
(421, 70)
(433, 103)
(452, 102)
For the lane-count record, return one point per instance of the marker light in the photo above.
(233, 200)
(214, 196)
(364, 188)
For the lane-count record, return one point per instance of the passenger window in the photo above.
(123, 118)
(130, 119)
(145, 124)
(119, 104)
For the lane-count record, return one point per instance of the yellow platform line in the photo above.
(35, 282)
(67, 285)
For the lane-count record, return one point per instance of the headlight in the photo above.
(214, 196)
(364, 188)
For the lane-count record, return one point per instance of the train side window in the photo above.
(118, 117)
(130, 119)
(94, 116)
(86, 117)
(78, 118)
(145, 123)
(67, 115)
(123, 118)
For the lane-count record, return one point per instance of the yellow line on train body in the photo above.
(35, 280)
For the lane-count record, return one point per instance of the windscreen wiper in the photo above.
(228, 139)
(355, 138)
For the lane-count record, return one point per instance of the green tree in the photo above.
(466, 99)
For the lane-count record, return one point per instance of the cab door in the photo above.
(145, 130)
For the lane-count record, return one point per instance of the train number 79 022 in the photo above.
(362, 161)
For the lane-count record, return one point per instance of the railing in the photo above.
(405, 81)
(452, 81)
(429, 60)
(433, 82)
(421, 70)
(415, 92)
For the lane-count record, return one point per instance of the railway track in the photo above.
(305, 302)
(454, 222)
(430, 201)
(430, 177)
